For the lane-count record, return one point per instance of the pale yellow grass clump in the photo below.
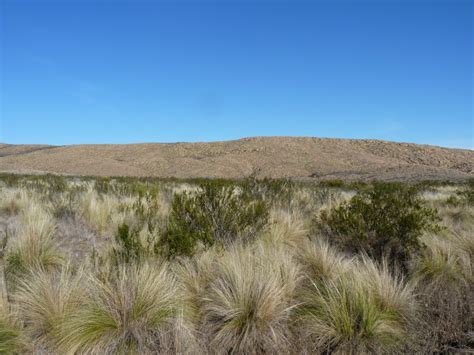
(13, 201)
(310, 201)
(102, 212)
(132, 311)
(45, 301)
(286, 227)
(458, 218)
(247, 306)
(12, 340)
(445, 261)
(390, 289)
(195, 274)
(185, 188)
(449, 255)
(33, 246)
(321, 261)
(440, 194)
(349, 310)
(444, 277)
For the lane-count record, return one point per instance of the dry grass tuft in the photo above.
(444, 277)
(11, 337)
(321, 261)
(363, 310)
(12, 201)
(247, 306)
(286, 227)
(33, 246)
(444, 261)
(132, 311)
(46, 300)
(102, 212)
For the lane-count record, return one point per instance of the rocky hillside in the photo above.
(277, 157)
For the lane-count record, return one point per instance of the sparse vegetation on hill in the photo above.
(124, 265)
(276, 157)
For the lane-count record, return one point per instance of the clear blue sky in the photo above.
(139, 71)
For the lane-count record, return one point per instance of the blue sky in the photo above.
(141, 71)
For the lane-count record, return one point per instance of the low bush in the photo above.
(128, 246)
(467, 194)
(216, 213)
(385, 221)
(276, 191)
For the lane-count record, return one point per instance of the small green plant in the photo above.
(467, 194)
(336, 183)
(146, 210)
(217, 213)
(386, 220)
(272, 190)
(103, 185)
(128, 246)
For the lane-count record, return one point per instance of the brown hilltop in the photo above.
(276, 157)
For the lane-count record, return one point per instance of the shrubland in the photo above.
(125, 265)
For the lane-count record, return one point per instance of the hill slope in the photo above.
(277, 157)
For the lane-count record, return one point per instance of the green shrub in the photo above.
(128, 247)
(386, 220)
(335, 183)
(271, 190)
(147, 211)
(10, 180)
(103, 185)
(217, 213)
(467, 194)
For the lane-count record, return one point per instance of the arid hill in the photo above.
(277, 157)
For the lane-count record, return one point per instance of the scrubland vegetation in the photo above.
(243, 267)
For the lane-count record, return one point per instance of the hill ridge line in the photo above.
(275, 157)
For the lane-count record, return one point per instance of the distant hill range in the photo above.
(275, 157)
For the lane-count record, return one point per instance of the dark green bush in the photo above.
(467, 194)
(103, 185)
(383, 221)
(335, 183)
(10, 180)
(269, 189)
(217, 213)
(128, 246)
